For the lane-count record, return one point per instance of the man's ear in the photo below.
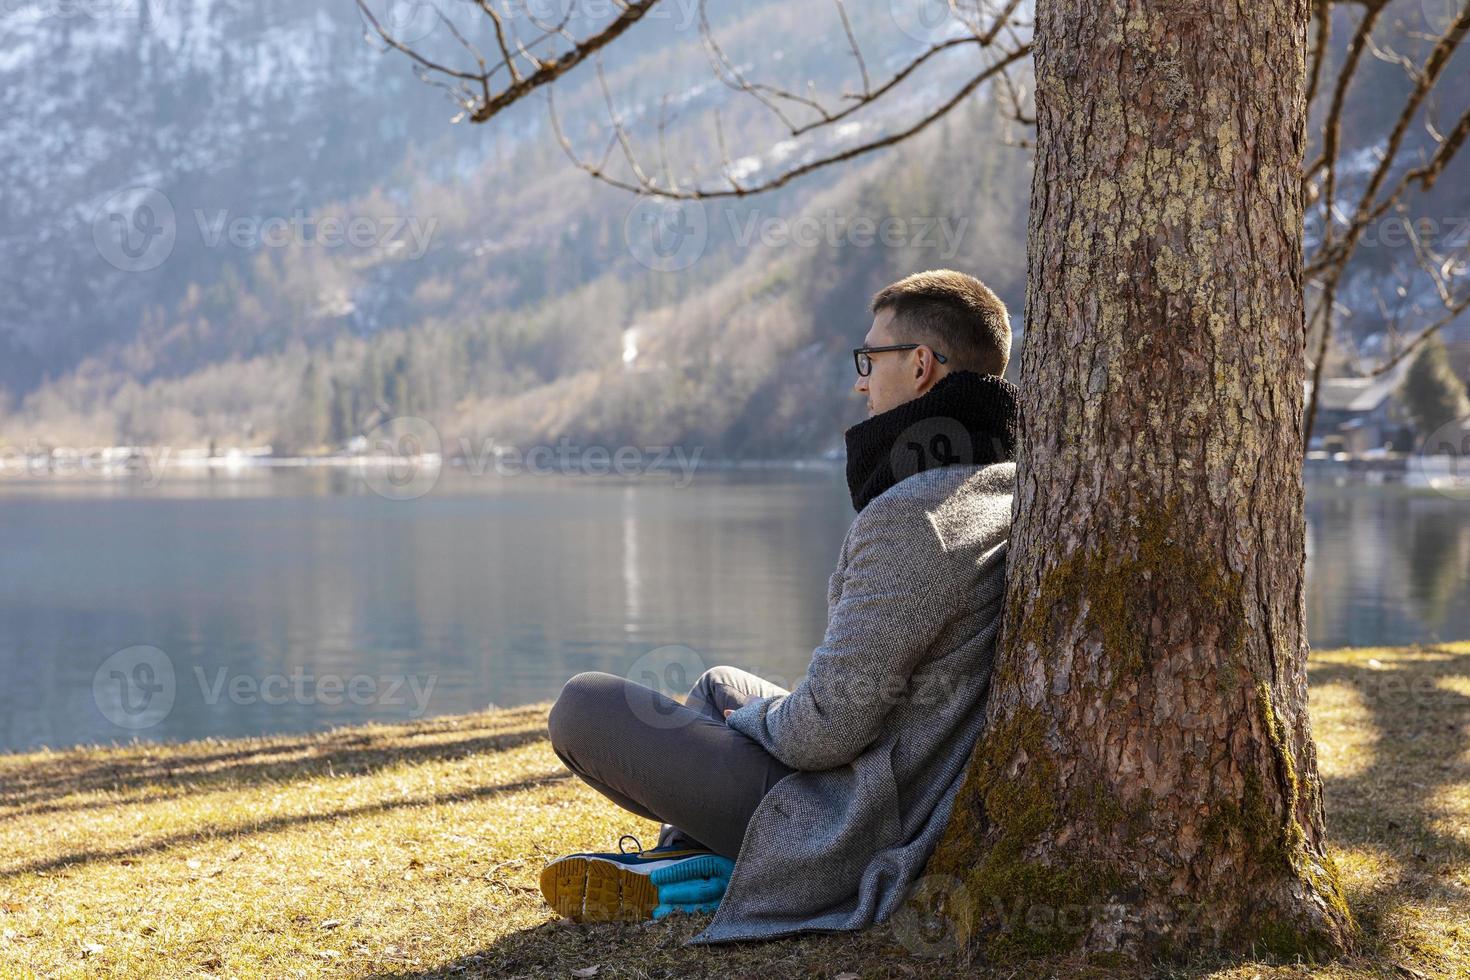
(919, 364)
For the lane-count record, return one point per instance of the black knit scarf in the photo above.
(966, 419)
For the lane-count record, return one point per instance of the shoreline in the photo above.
(165, 745)
(125, 461)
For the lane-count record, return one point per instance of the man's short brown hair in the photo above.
(953, 313)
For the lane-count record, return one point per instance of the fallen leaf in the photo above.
(91, 949)
(847, 976)
(194, 863)
(331, 924)
(586, 971)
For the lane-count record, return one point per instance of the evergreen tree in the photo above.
(1432, 393)
(344, 415)
(372, 382)
(397, 388)
(311, 421)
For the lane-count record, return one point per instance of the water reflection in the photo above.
(1386, 565)
(494, 589)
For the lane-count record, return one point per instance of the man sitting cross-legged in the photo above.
(818, 807)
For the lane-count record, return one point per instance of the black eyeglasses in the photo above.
(864, 363)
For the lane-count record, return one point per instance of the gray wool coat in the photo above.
(882, 726)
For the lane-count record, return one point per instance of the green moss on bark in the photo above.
(1031, 906)
(1117, 591)
(1278, 841)
(1116, 594)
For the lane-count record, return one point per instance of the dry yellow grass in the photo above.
(414, 851)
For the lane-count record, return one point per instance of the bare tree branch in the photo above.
(1455, 309)
(642, 185)
(544, 71)
(772, 96)
(1341, 236)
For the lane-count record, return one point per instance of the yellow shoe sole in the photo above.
(589, 890)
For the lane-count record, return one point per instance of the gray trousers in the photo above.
(679, 764)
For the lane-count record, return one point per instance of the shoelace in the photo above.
(638, 847)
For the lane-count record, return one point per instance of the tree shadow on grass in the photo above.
(655, 949)
(284, 822)
(1421, 733)
(33, 788)
(1392, 809)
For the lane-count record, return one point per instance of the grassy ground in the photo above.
(414, 851)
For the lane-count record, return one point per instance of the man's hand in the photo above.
(729, 712)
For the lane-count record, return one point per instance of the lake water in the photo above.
(293, 600)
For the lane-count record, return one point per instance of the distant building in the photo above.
(1356, 415)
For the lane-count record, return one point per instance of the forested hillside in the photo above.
(338, 252)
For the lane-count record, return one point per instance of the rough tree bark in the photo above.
(1148, 784)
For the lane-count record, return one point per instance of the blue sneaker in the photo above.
(633, 885)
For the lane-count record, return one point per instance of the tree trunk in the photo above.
(1147, 784)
